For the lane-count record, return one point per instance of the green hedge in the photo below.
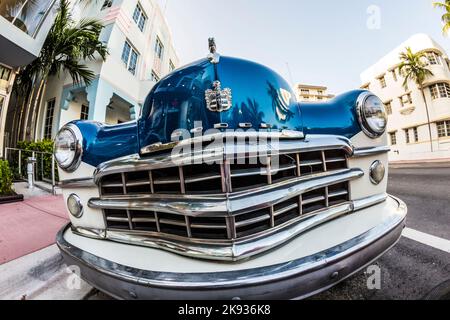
(6, 178)
(44, 160)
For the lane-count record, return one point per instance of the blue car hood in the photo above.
(260, 97)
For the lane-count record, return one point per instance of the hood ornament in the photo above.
(213, 56)
(218, 99)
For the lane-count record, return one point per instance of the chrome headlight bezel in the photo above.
(76, 147)
(75, 206)
(361, 105)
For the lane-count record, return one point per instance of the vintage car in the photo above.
(227, 188)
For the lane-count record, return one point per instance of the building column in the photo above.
(99, 95)
(4, 112)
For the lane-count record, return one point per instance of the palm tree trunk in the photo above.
(428, 117)
(15, 118)
(26, 120)
(44, 89)
(22, 120)
(19, 123)
(37, 105)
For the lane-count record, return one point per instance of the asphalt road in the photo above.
(411, 270)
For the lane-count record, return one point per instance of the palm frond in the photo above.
(446, 16)
(414, 67)
(69, 42)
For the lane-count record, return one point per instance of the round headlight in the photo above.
(68, 148)
(372, 115)
(74, 205)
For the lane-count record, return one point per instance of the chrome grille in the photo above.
(195, 179)
(225, 178)
(221, 228)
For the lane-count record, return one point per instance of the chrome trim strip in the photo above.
(226, 204)
(89, 232)
(242, 278)
(278, 143)
(78, 183)
(367, 152)
(243, 248)
(361, 204)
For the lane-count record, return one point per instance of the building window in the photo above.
(305, 91)
(320, 92)
(416, 134)
(159, 48)
(434, 92)
(433, 58)
(107, 4)
(319, 97)
(382, 81)
(26, 15)
(84, 112)
(440, 90)
(408, 139)
(154, 77)
(130, 57)
(393, 137)
(394, 75)
(139, 17)
(5, 73)
(48, 125)
(388, 107)
(405, 99)
(443, 129)
(171, 66)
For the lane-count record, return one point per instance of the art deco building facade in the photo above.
(408, 121)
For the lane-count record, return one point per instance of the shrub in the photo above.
(5, 178)
(44, 160)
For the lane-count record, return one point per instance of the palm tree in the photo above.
(414, 68)
(446, 16)
(67, 44)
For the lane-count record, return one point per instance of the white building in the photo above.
(24, 25)
(311, 93)
(140, 53)
(408, 125)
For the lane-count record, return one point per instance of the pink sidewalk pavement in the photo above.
(29, 226)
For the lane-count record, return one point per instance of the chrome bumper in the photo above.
(294, 279)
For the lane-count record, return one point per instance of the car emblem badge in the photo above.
(218, 99)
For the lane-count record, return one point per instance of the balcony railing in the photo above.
(27, 15)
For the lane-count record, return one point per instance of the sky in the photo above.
(327, 42)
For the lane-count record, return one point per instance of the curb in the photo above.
(41, 276)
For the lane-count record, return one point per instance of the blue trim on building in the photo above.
(97, 103)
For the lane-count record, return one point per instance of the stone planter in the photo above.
(11, 198)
